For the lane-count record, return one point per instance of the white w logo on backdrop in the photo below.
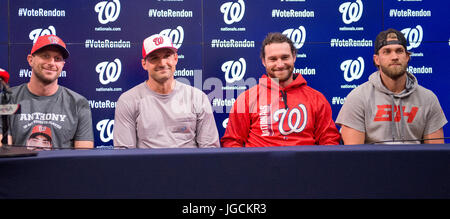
(176, 35)
(301, 118)
(233, 11)
(106, 129)
(111, 70)
(107, 11)
(225, 123)
(354, 67)
(36, 33)
(351, 11)
(414, 36)
(297, 36)
(235, 68)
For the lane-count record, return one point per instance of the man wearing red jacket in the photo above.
(281, 110)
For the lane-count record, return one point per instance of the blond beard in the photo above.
(394, 73)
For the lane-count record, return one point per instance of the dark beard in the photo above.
(272, 75)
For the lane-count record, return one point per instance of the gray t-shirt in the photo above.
(180, 119)
(382, 115)
(59, 119)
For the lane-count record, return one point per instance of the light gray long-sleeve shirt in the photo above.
(180, 119)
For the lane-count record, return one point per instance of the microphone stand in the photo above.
(7, 109)
(5, 99)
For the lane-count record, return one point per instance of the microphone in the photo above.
(4, 79)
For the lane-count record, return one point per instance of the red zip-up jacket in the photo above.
(268, 115)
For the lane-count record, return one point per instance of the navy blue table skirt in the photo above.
(363, 171)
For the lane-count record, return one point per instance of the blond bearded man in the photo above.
(391, 107)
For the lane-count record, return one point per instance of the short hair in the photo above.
(390, 36)
(277, 38)
(34, 135)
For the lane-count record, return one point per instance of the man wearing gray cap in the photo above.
(391, 107)
(162, 112)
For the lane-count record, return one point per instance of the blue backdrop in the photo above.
(219, 43)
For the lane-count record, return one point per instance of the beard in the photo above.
(394, 72)
(45, 80)
(281, 78)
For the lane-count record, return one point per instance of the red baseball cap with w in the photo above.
(155, 42)
(43, 130)
(50, 40)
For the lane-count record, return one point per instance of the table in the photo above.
(360, 171)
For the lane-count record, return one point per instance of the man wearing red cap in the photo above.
(162, 112)
(40, 138)
(42, 101)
